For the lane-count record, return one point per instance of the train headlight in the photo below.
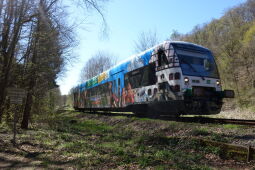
(186, 80)
(218, 82)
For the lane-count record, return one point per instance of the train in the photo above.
(172, 78)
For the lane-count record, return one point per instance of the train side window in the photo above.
(149, 75)
(100, 92)
(88, 93)
(92, 92)
(171, 76)
(149, 92)
(95, 91)
(155, 91)
(152, 75)
(146, 76)
(133, 78)
(177, 76)
(104, 88)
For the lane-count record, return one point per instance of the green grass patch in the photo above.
(232, 126)
(92, 127)
(200, 132)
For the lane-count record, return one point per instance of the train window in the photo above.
(99, 90)
(146, 76)
(92, 92)
(149, 92)
(171, 76)
(88, 92)
(177, 76)
(118, 81)
(149, 75)
(141, 77)
(95, 89)
(104, 88)
(155, 91)
(134, 80)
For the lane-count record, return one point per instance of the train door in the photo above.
(114, 94)
(117, 85)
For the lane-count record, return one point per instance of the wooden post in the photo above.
(16, 96)
(248, 153)
(14, 127)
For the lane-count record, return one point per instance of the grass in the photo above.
(79, 140)
(200, 132)
(232, 126)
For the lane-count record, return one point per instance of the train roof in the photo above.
(188, 44)
(145, 55)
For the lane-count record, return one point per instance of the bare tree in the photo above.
(175, 36)
(89, 6)
(97, 64)
(146, 40)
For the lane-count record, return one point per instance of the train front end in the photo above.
(189, 81)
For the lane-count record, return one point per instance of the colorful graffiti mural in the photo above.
(109, 89)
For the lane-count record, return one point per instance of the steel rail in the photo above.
(195, 119)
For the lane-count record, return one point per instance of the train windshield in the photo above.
(200, 64)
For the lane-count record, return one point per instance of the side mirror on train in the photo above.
(229, 94)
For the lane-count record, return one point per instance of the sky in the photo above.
(126, 19)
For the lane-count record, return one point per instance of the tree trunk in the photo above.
(3, 86)
(27, 110)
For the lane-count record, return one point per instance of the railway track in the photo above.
(199, 119)
(195, 119)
